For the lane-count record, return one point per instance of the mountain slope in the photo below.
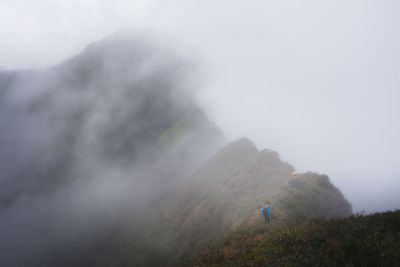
(89, 143)
(223, 196)
(372, 240)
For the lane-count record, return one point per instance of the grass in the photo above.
(358, 240)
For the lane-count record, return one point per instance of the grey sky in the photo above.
(317, 81)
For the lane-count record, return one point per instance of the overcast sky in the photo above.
(317, 81)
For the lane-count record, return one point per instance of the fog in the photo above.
(316, 81)
(84, 150)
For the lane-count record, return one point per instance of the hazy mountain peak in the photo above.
(242, 146)
(243, 142)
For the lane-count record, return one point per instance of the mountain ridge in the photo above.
(224, 195)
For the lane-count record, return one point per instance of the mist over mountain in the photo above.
(151, 133)
(90, 142)
(107, 160)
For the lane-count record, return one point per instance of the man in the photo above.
(266, 212)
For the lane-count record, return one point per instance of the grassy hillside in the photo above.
(372, 240)
(225, 195)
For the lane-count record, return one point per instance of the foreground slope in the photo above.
(372, 240)
(223, 196)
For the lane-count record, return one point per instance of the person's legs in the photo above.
(265, 219)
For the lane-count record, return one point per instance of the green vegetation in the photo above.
(358, 240)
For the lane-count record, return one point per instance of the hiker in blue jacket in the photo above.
(265, 212)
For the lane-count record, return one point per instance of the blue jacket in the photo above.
(267, 208)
